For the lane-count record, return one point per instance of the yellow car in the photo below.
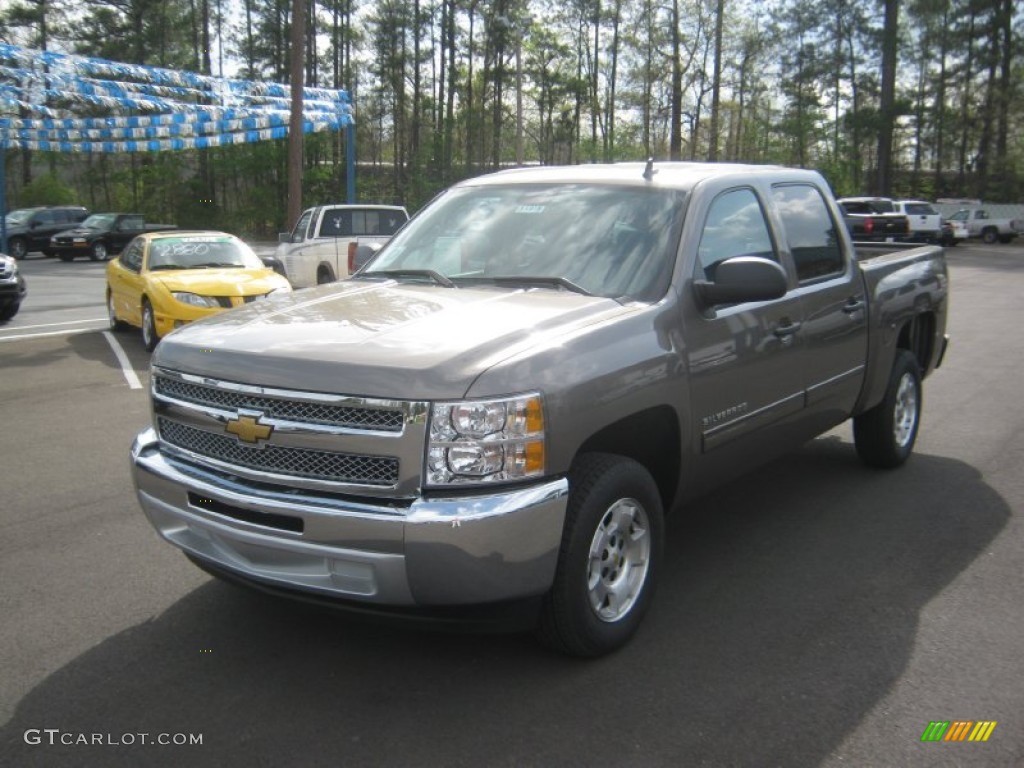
(163, 280)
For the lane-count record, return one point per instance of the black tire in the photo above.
(597, 602)
(324, 275)
(149, 335)
(989, 235)
(98, 252)
(115, 324)
(17, 247)
(9, 310)
(885, 435)
(1005, 239)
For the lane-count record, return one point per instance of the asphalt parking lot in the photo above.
(815, 613)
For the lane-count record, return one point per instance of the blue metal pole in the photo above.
(3, 195)
(350, 160)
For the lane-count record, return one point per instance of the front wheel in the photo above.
(608, 560)
(885, 435)
(98, 252)
(115, 324)
(149, 336)
(989, 235)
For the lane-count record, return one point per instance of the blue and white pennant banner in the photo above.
(197, 111)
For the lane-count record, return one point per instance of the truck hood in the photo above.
(81, 231)
(386, 340)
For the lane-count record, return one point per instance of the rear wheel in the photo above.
(149, 336)
(1006, 239)
(324, 275)
(885, 435)
(608, 560)
(18, 247)
(989, 235)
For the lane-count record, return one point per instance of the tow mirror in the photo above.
(741, 279)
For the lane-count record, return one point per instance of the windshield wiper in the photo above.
(530, 280)
(437, 277)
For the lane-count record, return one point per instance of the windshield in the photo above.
(202, 252)
(98, 221)
(16, 218)
(611, 241)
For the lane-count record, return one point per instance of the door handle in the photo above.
(853, 304)
(784, 331)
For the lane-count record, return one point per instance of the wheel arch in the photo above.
(324, 268)
(650, 437)
(917, 336)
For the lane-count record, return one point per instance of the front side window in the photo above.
(735, 226)
(616, 241)
(810, 231)
(131, 257)
(299, 233)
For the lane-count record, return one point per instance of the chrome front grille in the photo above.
(293, 439)
(303, 411)
(281, 460)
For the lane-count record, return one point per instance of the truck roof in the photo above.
(672, 175)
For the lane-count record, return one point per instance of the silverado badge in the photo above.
(248, 428)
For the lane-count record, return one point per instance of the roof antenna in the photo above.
(649, 170)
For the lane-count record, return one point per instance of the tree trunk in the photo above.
(887, 106)
(295, 135)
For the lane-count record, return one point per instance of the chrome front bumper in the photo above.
(464, 550)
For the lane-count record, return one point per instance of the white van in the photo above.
(322, 246)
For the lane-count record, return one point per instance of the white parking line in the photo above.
(122, 358)
(68, 332)
(66, 322)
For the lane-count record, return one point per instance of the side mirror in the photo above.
(741, 279)
(284, 237)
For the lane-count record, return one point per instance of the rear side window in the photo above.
(810, 231)
(735, 226)
(355, 223)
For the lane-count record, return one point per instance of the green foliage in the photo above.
(47, 190)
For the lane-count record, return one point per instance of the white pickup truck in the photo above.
(979, 224)
(322, 246)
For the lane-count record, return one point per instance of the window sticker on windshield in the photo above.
(530, 209)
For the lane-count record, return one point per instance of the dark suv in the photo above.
(29, 229)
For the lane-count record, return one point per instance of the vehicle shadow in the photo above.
(787, 609)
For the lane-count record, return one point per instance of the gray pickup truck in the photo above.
(497, 413)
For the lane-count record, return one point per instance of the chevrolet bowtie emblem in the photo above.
(248, 429)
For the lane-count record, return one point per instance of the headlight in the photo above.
(483, 441)
(195, 299)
